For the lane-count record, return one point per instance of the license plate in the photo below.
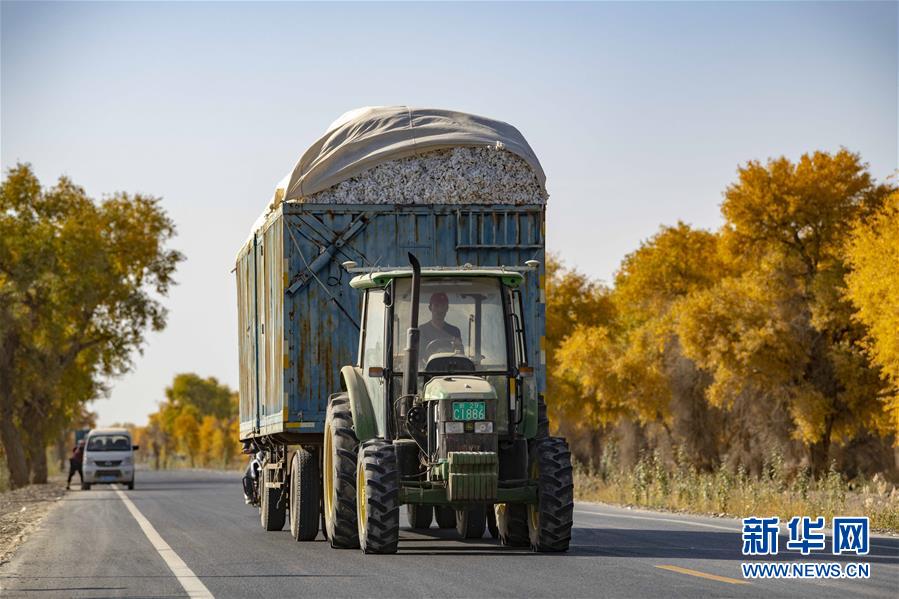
(469, 410)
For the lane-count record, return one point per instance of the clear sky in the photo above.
(639, 112)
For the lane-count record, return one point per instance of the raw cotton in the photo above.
(462, 175)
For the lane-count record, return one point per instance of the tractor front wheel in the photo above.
(378, 497)
(339, 475)
(550, 520)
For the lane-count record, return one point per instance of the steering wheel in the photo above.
(444, 344)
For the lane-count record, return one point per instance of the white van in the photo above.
(108, 457)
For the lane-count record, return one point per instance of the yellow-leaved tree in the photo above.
(873, 287)
(781, 332)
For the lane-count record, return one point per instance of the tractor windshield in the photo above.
(460, 319)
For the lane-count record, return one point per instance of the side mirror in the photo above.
(135, 447)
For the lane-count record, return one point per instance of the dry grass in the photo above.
(681, 488)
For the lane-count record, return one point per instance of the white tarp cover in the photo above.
(366, 137)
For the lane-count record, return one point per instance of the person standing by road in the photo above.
(75, 463)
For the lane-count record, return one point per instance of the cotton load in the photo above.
(462, 175)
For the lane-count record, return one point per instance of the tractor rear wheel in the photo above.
(445, 516)
(304, 496)
(272, 512)
(419, 516)
(339, 474)
(512, 524)
(549, 522)
(378, 497)
(471, 522)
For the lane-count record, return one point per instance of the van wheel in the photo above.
(131, 485)
(304, 496)
(85, 486)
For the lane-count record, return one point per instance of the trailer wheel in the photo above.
(419, 516)
(491, 523)
(549, 522)
(272, 512)
(446, 516)
(339, 475)
(512, 524)
(378, 497)
(471, 522)
(304, 496)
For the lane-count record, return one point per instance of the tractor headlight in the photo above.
(483, 427)
(451, 428)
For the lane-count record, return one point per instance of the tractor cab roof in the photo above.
(511, 277)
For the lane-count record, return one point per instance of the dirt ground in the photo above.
(22, 510)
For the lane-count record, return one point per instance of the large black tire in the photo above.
(304, 495)
(491, 522)
(85, 486)
(512, 524)
(542, 418)
(549, 522)
(419, 516)
(446, 516)
(339, 467)
(272, 511)
(378, 497)
(131, 485)
(471, 522)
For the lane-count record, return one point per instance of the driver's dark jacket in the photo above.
(429, 332)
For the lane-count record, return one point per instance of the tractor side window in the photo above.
(373, 340)
(518, 329)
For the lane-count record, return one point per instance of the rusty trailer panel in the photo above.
(298, 315)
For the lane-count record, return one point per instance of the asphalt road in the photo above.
(93, 545)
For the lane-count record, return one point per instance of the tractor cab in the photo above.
(469, 325)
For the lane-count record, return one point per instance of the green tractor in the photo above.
(450, 424)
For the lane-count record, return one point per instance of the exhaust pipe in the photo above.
(410, 364)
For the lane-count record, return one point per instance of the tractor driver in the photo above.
(437, 335)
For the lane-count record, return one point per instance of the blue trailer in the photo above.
(358, 407)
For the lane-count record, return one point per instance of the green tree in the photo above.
(208, 396)
(78, 286)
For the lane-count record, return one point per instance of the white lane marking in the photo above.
(691, 523)
(192, 585)
(629, 517)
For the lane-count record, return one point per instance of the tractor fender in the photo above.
(364, 423)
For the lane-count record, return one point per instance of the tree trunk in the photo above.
(819, 453)
(37, 459)
(9, 434)
(15, 453)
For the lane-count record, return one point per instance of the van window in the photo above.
(109, 443)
